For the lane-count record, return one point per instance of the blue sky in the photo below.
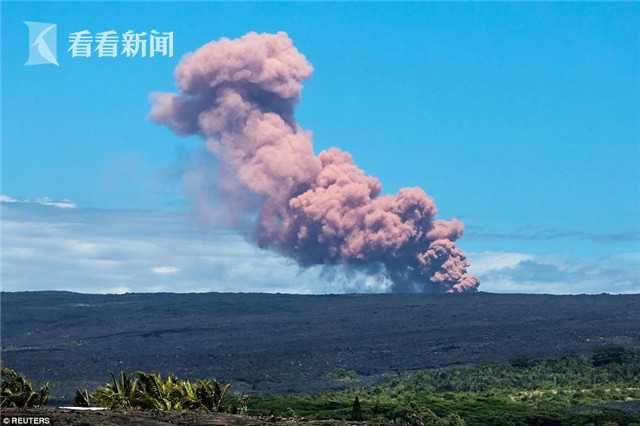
(521, 119)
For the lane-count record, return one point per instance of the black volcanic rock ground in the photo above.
(282, 343)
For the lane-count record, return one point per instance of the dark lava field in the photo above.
(265, 343)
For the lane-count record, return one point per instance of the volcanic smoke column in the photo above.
(239, 95)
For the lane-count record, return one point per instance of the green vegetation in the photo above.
(17, 391)
(149, 391)
(569, 390)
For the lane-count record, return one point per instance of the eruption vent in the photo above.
(239, 95)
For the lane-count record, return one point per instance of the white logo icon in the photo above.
(42, 43)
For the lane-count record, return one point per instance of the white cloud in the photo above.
(508, 272)
(111, 251)
(7, 199)
(165, 270)
(43, 201)
(487, 261)
(62, 204)
(106, 251)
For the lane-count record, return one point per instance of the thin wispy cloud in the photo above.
(555, 234)
(43, 201)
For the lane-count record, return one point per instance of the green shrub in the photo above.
(17, 391)
(149, 391)
(82, 398)
(453, 420)
(356, 410)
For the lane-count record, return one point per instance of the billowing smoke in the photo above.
(239, 95)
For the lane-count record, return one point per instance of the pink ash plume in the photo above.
(239, 95)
